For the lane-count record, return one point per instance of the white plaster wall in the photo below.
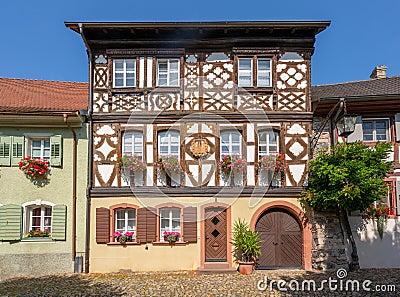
(372, 251)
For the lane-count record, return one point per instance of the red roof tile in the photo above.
(23, 95)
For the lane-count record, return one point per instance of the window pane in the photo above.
(118, 65)
(47, 211)
(162, 67)
(164, 223)
(173, 64)
(244, 64)
(130, 65)
(120, 224)
(36, 211)
(264, 64)
(131, 214)
(368, 137)
(176, 213)
(244, 81)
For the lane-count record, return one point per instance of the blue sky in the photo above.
(35, 44)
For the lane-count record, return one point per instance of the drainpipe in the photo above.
(90, 150)
(74, 164)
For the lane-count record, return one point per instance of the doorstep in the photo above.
(216, 267)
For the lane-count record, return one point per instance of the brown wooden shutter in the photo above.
(102, 225)
(190, 224)
(141, 225)
(151, 224)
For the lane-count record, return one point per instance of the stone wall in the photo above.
(329, 250)
(14, 265)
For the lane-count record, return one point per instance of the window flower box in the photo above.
(171, 237)
(270, 170)
(37, 233)
(123, 237)
(34, 168)
(132, 169)
(233, 170)
(169, 170)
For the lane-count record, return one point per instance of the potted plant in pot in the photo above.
(246, 246)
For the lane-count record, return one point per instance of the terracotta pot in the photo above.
(246, 267)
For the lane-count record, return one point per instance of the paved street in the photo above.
(192, 284)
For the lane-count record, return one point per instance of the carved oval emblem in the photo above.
(199, 148)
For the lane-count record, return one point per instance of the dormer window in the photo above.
(124, 73)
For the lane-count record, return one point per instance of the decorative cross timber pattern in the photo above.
(292, 101)
(100, 77)
(128, 102)
(163, 101)
(292, 85)
(105, 152)
(191, 84)
(218, 86)
(297, 152)
(100, 102)
(254, 102)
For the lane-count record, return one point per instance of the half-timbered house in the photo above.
(194, 92)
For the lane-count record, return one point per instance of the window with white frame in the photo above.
(124, 73)
(231, 143)
(170, 220)
(267, 143)
(132, 144)
(39, 218)
(168, 143)
(168, 72)
(245, 73)
(125, 220)
(40, 148)
(375, 130)
(264, 72)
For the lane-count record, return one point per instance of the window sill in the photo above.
(161, 243)
(37, 239)
(123, 244)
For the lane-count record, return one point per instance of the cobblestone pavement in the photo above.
(192, 284)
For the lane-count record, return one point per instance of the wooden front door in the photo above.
(282, 240)
(215, 234)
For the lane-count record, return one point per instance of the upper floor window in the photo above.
(170, 220)
(375, 130)
(267, 143)
(132, 144)
(40, 148)
(168, 143)
(231, 143)
(263, 72)
(125, 220)
(39, 218)
(124, 73)
(246, 71)
(245, 75)
(168, 72)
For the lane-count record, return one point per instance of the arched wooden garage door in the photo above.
(282, 240)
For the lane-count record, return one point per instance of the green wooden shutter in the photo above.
(17, 152)
(10, 222)
(5, 150)
(56, 150)
(58, 225)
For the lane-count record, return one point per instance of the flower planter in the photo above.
(238, 179)
(246, 267)
(136, 178)
(267, 178)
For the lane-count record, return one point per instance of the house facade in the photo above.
(40, 227)
(168, 102)
(376, 102)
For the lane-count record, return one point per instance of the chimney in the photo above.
(378, 72)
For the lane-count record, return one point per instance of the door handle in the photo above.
(275, 243)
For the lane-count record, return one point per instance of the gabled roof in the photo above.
(364, 88)
(26, 96)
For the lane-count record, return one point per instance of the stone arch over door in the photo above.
(289, 211)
